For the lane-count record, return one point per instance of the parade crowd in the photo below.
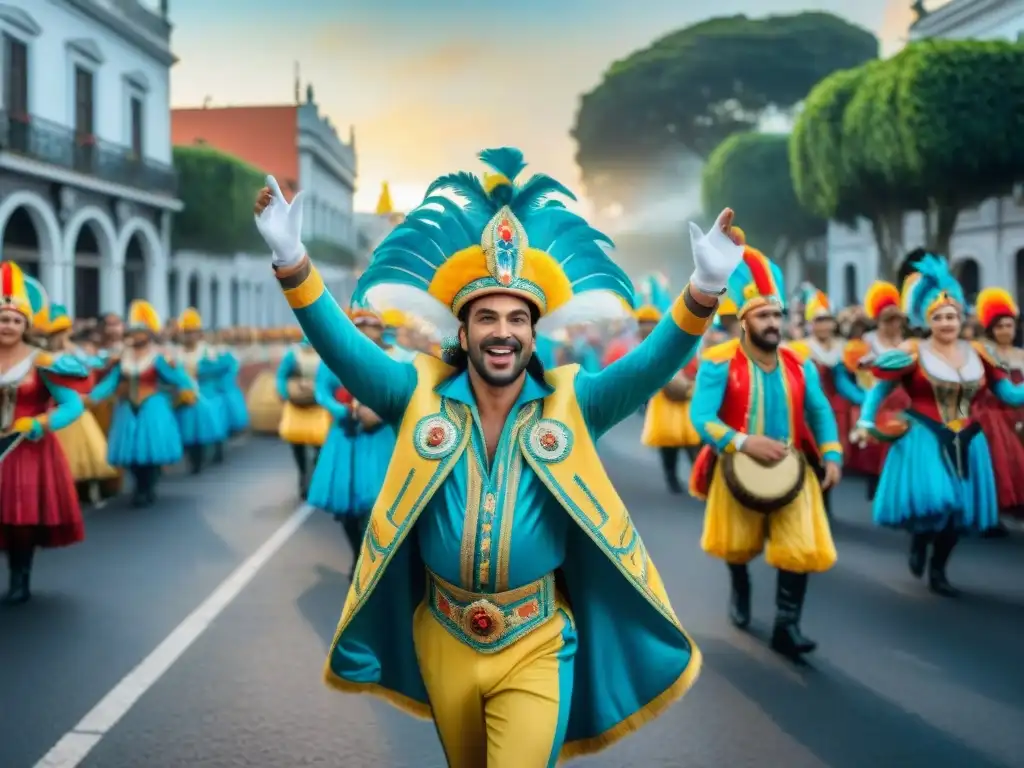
(463, 390)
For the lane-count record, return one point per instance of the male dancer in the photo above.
(755, 396)
(546, 631)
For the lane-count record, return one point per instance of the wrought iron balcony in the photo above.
(58, 145)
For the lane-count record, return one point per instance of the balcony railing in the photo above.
(58, 145)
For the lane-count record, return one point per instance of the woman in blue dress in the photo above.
(144, 432)
(354, 460)
(202, 422)
(236, 413)
(937, 481)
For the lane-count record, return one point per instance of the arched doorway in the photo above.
(134, 269)
(968, 272)
(211, 321)
(850, 297)
(21, 243)
(236, 300)
(1019, 265)
(87, 272)
(173, 289)
(193, 290)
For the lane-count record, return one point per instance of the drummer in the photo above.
(753, 396)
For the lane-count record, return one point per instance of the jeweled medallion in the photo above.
(435, 436)
(549, 441)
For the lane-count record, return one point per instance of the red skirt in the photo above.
(38, 492)
(1004, 443)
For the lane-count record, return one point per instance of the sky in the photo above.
(428, 83)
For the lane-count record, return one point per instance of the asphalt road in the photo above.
(901, 678)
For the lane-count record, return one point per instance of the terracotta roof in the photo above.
(266, 137)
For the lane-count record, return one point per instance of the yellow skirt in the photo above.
(796, 538)
(265, 407)
(304, 425)
(86, 449)
(667, 424)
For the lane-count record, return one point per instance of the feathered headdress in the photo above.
(817, 307)
(880, 297)
(654, 297)
(15, 291)
(190, 320)
(143, 317)
(500, 237)
(756, 281)
(58, 319)
(994, 304)
(39, 299)
(933, 288)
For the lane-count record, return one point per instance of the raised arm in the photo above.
(819, 415)
(69, 406)
(374, 378)
(608, 396)
(107, 386)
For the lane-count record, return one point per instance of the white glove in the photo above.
(715, 255)
(280, 223)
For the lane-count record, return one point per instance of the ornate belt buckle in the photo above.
(483, 620)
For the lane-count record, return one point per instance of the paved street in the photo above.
(901, 678)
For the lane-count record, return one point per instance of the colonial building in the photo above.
(988, 244)
(86, 186)
(301, 148)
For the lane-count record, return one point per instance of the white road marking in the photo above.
(77, 743)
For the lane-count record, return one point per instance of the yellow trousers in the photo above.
(796, 538)
(508, 709)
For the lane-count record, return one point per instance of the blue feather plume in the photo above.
(935, 278)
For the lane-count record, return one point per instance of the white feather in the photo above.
(416, 302)
(589, 307)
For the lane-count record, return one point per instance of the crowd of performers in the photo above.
(468, 483)
(91, 410)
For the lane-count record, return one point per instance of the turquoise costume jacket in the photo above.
(631, 662)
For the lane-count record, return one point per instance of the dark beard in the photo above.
(477, 357)
(764, 344)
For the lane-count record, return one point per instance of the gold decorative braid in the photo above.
(508, 511)
(474, 487)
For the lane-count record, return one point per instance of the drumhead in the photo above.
(765, 487)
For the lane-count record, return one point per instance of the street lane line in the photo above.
(77, 743)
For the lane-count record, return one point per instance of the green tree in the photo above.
(689, 91)
(936, 129)
(218, 191)
(750, 173)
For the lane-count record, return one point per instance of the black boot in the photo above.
(670, 465)
(739, 602)
(194, 454)
(299, 453)
(919, 553)
(787, 638)
(942, 549)
(19, 563)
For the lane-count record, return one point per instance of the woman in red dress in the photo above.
(997, 313)
(38, 500)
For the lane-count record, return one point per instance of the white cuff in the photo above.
(738, 440)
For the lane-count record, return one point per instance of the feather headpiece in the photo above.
(755, 282)
(143, 317)
(880, 297)
(19, 292)
(501, 236)
(654, 298)
(817, 307)
(994, 304)
(190, 320)
(934, 287)
(58, 319)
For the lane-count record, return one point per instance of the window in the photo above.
(15, 70)
(84, 104)
(135, 107)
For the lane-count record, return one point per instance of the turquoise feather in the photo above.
(935, 278)
(653, 291)
(741, 277)
(66, 365)
(893, 360)
(457, 209)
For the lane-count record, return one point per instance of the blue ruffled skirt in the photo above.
(147, 436)
(235, 410)
(330, 489)
(202, 423)
(919, 488)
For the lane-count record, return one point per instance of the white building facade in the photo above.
(86, 187)
(988, 244)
